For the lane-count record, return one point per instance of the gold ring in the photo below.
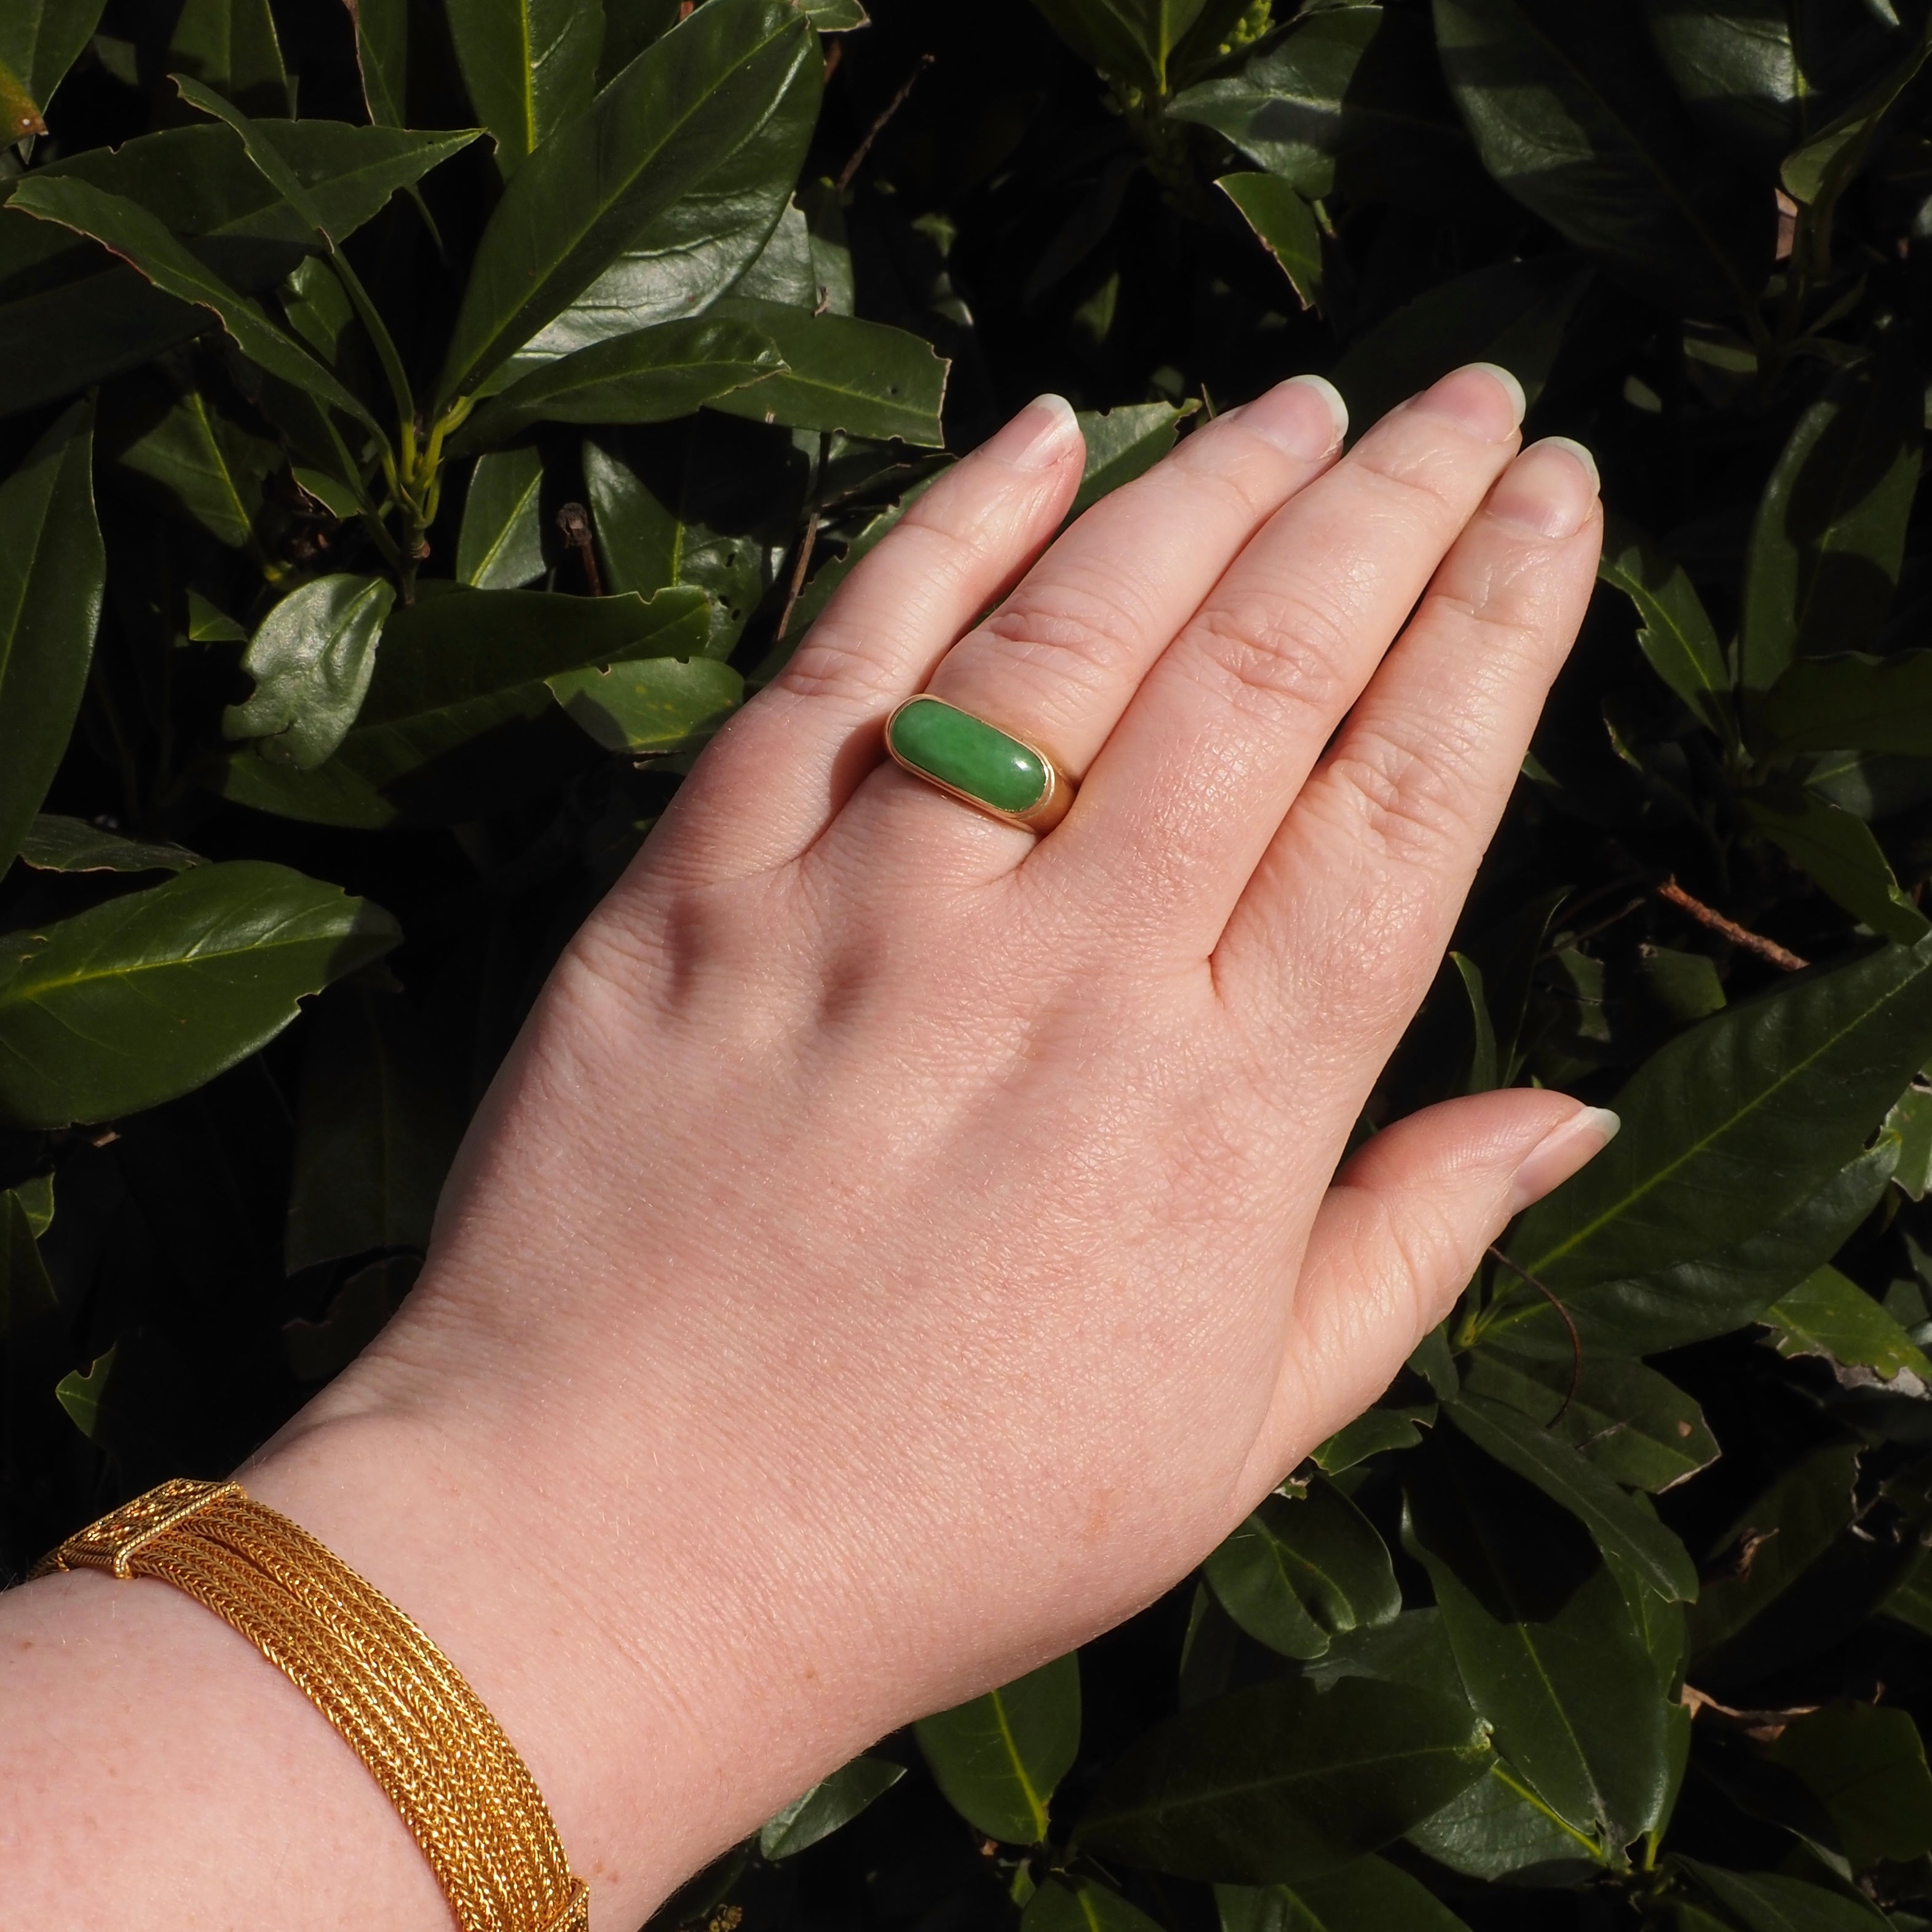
(978, 763)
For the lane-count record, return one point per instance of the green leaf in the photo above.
(231, 46)
(834, 16)
(210, 467)
(650, 704)
(655, 138)
(131, 1003)
(998, 1758)
(1830, 531)
(130, 231)
(1674, 630)
(383, 59)
(40, 39)
(1072, 1904)
(1627, 1420)
(375, 1131)
(652, 375)
(458, 720)
(1348, 98)
(1286, 226)
(1724, 1125)
(1816, 171)
(1829, 1314)
(1911, 1120)
(1372, 1433)
(1499, 1828)
(1303, 1567)
(841, 373)
(1770, 1902)
(1852, 702)
(1371, 1895)
(827, 1806)
(52, 568)
(1572, 118)
(1866, 1764)
(311, 658)
(54, 844)
(82, 1393)
(1734, 66)
(1123, 443)
(1547, 1641)
(1282, 1784)
(1623, 1528)
(500, 545)
(1133, 39)
(1774, 1542)
(1514, 313)
(530, 66)
(1840, 854)
(69, 317)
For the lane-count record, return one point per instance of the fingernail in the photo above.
(1561, 1153)
(1549, 488)
(1305, 416)
(1038, 436)
(1481, 397)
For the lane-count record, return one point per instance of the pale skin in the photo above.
(899, 1247)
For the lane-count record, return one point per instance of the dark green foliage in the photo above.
(321, 729)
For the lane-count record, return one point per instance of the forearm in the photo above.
(156, 1765)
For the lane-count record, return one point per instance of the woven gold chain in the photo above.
(402, 1707)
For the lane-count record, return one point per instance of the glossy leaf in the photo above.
(1513, 313)
(128, 1004)
(130, 231)
(232, 46)
(1571, 117)
(833, 1802)
(1827, 1314)
(1817, 170)
(1771, 1902)
(375, 1131)
(1371, 1895)
(1734, 65)
(650, 705)
(1286, 226)
(500, 546)
(56, 843)
(40, 39)
(51, 575)
(998, 1758)
(1724, 1125)
(1283, 1782)
(383, 59)
(1136, 39)
(210, 467)
(459, 682)
(1082, 1905)
(1674, 630)
(1635, 1426)
(1303, 1567)
(1375, 1432)
(1546, 1643)
(1830, 529)
(650, 376)
(1841, 855)
(1852, 702)
(1123, 443)
(311, 658)
(659, 134)
(841, 374)
(1866, 1764)
(530, 66)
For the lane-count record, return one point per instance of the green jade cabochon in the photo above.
(959, 750)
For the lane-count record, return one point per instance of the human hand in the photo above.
(898, 1248)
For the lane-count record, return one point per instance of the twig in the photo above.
(799, 567)
(1781, 957)
(878, 127)
(1207, 401)
(834, 54)
(1576, 1340)
(1602, 925)
(573, 523)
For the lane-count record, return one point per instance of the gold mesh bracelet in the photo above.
(402, 1707)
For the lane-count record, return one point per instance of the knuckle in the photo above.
(834, 661)
(1407, 796)
(1077, 625)
(1429, 482)
(1282, 655)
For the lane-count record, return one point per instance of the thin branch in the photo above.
(878, 127)
(795, 588)
(573, 524)
(1781, 957)
(1576, 1340)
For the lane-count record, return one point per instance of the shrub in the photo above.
(372, 559)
